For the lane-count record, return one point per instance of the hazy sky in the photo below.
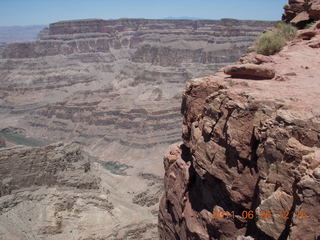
(28, 12)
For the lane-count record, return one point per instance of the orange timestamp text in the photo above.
(261, 214)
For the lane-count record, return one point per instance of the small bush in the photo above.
(273, 41)
(270, 43)
(288, 31)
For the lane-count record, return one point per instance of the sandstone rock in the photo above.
(314, 9)
(316, 173)
(244, 238)
(307, 34)
(255, 58)
(278, 204)
(250, 71)
(301, 17)
(314, 44)
(302, 12)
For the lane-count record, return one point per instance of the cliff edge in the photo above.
(249, 164)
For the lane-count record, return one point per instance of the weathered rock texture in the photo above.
(248, 146)
(250, 71)
(59, 192)
(302, 12)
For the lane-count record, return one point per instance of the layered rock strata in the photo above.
(115, 80)
(59, 192)
(248, 167)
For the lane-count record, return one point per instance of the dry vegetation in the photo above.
(274, 40)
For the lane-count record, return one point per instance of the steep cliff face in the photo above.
(249, 164)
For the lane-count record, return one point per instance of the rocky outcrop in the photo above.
(248, 167)
(302, 12)
(47, 166)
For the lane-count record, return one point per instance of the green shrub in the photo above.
(273, 41)
(270, 43)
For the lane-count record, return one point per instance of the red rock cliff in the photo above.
(249, 164)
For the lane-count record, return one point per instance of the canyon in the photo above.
(86, 112)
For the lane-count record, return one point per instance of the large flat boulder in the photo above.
(250, 71)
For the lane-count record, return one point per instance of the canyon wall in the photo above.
(115, 80)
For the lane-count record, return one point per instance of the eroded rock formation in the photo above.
(302, 12)
(248, 167)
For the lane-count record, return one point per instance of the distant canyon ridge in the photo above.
(116, 80)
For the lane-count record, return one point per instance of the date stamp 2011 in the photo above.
(262, 214)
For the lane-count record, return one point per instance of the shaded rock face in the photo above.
(240, 155)
(63, 164)
(248, 167)
(302, 12)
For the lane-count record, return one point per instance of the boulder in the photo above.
(250, 71)
(301, 17)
